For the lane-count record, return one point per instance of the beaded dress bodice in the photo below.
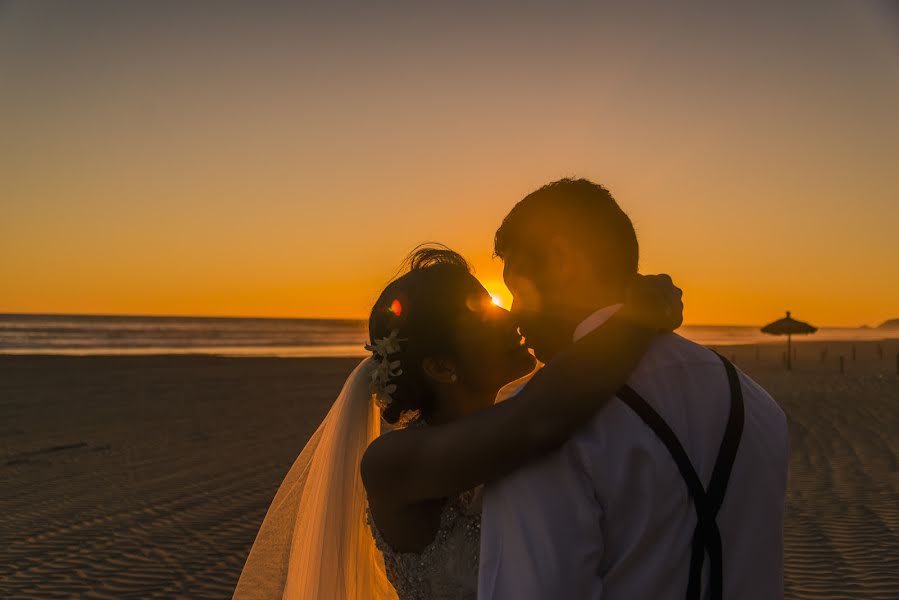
(447, 569)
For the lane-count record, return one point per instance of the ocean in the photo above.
(101, 334)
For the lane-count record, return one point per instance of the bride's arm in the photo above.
(417, 464)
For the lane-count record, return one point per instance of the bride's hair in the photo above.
(421, 304)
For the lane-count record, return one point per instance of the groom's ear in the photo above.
(441, 370)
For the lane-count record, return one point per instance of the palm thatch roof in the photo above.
(788, 326)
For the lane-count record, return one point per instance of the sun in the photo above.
(496, 300)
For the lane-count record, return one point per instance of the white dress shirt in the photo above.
(608, 515)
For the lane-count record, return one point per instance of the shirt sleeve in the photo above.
(540, 533)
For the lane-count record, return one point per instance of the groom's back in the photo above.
(609, 516)
(648, 519)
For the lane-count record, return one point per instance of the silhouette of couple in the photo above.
(634, 464)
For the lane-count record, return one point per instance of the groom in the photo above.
(676, 489)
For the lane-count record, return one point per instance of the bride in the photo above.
(382, 503)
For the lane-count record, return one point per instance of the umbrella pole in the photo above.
(789, 353)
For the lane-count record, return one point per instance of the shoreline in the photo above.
(310, 353)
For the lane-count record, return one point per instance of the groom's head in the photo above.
(567, 249)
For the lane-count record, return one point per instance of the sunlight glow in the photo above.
(88, 210)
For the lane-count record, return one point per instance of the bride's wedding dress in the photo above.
(447, 569)
(317, 540)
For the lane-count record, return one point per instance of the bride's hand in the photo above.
(654, 301)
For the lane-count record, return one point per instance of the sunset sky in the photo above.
(272, 159)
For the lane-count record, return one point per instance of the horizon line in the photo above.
(360, 319)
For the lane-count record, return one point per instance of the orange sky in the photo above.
(281, 161)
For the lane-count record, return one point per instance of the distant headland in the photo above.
(891, 324)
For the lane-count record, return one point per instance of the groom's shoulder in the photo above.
(686, 383)
(673, 360)
(670, 353)
(696, 372)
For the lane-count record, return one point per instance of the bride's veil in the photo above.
(314, 543)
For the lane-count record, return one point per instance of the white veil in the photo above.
(314, 543)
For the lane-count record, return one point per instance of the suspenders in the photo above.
(706, 537)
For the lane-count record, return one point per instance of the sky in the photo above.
(280, 159)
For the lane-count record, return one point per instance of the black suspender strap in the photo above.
(707, 502)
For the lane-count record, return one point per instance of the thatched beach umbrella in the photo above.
(789, 327)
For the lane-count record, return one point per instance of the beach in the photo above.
(148, 476)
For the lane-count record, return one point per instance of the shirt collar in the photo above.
(595, 321)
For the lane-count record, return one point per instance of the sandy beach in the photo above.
(132, 476)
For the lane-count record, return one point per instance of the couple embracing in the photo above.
(634, 464)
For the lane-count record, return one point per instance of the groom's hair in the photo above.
(578, 209)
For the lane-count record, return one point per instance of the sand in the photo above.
(842, 518)
(145, 477)
(148, 476)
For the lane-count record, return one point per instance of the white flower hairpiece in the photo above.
(385, 368)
